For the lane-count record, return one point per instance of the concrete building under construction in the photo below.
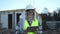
(9, 18)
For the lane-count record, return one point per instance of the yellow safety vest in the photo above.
(34, 23)
(30, 33)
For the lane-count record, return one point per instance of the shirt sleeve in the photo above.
(20, 24)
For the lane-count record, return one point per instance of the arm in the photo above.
(20, 24)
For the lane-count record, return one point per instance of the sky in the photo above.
(38, 4)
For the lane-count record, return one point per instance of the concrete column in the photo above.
(13, 21)
(40, 24)
(0, 17)
(0, 21)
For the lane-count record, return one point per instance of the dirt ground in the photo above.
(51, 32)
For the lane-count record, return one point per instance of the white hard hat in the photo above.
(29, 7)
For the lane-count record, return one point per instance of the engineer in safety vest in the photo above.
(30, 19)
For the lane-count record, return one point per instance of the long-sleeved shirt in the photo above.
(21, 22)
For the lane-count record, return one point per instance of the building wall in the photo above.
(4, 17)
(4, 20)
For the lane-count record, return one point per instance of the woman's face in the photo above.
(30, 14)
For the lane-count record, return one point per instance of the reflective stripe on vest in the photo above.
(30, 33)
(34, 23)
